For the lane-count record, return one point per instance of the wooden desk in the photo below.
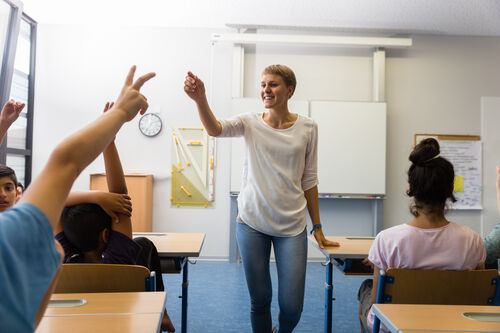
(172, 244)
(429, 318)
(351, 247)
(106, 312)
(177, 245)
(113, 303)
(126, 323)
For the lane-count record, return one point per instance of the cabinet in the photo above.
(140, 190)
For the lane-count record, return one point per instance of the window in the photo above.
(17, 82)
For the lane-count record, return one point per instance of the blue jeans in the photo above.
(291, 258)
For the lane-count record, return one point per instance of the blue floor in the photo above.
(219, 301)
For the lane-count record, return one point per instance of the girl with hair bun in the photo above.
(429, 240)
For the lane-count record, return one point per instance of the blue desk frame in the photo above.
(344, 262)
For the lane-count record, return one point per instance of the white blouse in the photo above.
(280, 164)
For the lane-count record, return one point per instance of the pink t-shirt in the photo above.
(451, 247)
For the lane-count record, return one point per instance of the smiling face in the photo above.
(8, 193)
(274, 92)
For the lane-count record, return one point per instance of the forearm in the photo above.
(3, 131)
(114, 171)
(311, 196)
(211, 124)
(79, 197)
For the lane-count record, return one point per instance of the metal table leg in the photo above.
(185, 284)
(328, 297)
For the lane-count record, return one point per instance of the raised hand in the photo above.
(10, 112)
(194, 87)
(131, 100)
(108, 106)
(115, 203)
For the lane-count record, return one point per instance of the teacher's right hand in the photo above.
(194, 87)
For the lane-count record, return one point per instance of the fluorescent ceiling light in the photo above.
(386, 42)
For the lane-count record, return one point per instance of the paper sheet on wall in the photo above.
(466, 159)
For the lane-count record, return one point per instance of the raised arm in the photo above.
(10, 112)
(195, 89)
(116, 184)
(50, 189)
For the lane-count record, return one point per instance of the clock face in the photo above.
(150, 124)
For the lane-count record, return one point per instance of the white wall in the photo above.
(80, 68)
(433, 87)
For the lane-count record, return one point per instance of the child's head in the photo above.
(8, 187)
(430, 178)
(20, 190)
(86, 226)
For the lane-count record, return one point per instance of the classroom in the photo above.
(376, 77)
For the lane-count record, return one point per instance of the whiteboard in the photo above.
(244, 105)
(351, 147)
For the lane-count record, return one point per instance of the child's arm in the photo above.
(116, 184)
(10, 112)
(50, 189)
(111, 203)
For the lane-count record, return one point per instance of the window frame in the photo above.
(6, 76)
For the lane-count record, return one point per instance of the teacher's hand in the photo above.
(322, 241)
(194, 87)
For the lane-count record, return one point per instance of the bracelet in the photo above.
(315, 226)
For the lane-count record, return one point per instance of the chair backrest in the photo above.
(412, 286)
(92, 278)
(418, 286)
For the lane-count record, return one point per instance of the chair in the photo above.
(94, 278)
(413, 286)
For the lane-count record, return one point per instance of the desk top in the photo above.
(106, 312)
(125, 323)
(110, 303)
(429, 318)
(351, 247)
(171, 244)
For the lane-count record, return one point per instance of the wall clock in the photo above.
(150, 124)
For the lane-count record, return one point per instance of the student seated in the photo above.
(8, 179)
(428, 241)
(29, 256)
(88, 234)
(8, 188)
(492, 241)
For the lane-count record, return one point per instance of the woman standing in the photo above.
(279, 181)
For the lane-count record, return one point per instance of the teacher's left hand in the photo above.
(322, 241)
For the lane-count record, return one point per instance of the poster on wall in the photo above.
(465, 153)
(193, 153)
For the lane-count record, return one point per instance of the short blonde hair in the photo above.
(285, 72)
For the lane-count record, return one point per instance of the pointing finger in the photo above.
(143, 79)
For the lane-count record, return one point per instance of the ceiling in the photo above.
(443, 17)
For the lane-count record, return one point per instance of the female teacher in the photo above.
(279, 181)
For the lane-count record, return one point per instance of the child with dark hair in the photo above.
(20, 190)
(8, 188)
(29, 256)
(429, 240)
